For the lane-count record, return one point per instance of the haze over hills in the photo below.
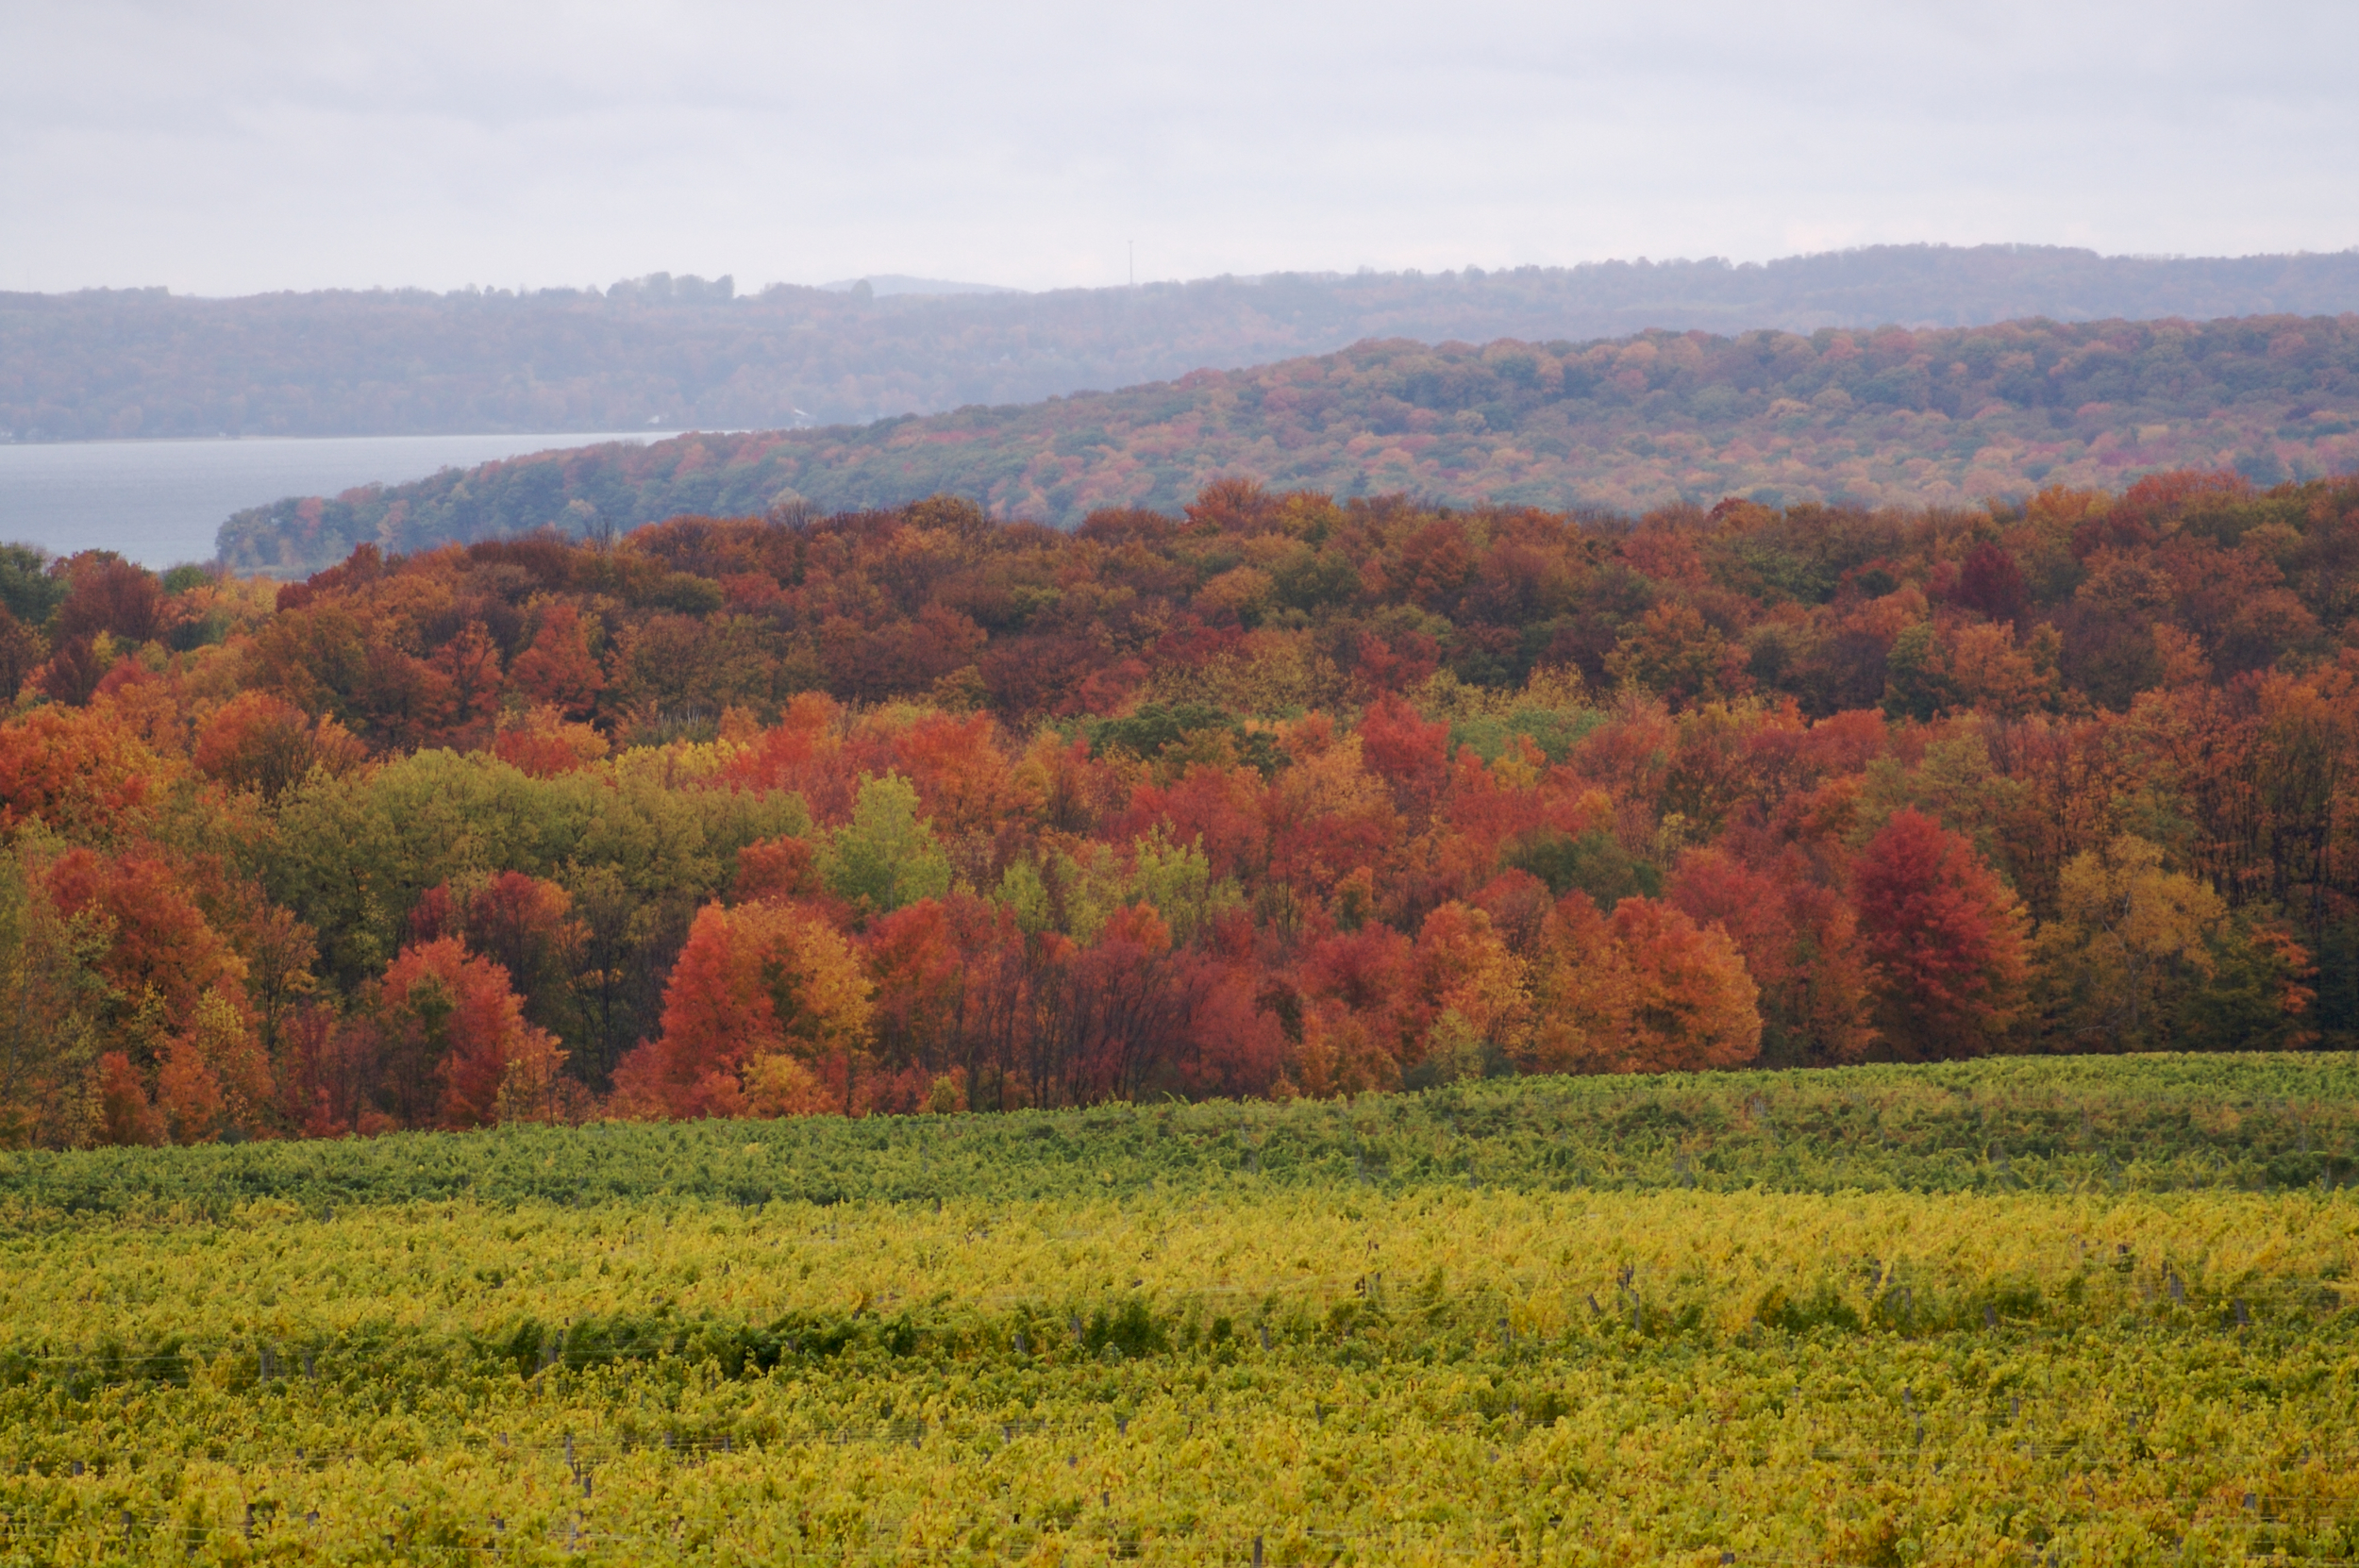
(901, 283)
(672, 352)
(1890, 417)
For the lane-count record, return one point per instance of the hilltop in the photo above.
(664, 352)
(1938, 417)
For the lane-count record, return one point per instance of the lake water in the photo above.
(162, 502)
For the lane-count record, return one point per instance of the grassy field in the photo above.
(2079, 1311)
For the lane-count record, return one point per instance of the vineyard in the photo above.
(2065, 1310)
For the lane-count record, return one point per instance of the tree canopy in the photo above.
(1282, 794)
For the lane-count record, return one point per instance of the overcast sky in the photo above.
(229, 148)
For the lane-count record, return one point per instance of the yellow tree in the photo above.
(50, 992)
(2131, 940)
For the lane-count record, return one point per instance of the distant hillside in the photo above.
(1890, 417)
(673, 353)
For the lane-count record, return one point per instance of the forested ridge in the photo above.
(1882, 418)
(664, 352)
(1282, 794)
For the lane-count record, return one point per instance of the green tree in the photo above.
(887, 856)
(1916, 686)
(638, 843)
(27, 590)
(1177, 880)
(1594, 862)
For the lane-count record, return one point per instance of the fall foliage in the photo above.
(1752, 421)
(913, 811)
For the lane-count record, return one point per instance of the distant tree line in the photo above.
(1944, 417)
(686, 352)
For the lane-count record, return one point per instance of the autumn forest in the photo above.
(1275, 794)
(1890, 418)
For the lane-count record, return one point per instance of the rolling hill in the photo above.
(674, 353)
(1929, 417)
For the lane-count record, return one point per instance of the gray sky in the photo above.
(227, 148)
